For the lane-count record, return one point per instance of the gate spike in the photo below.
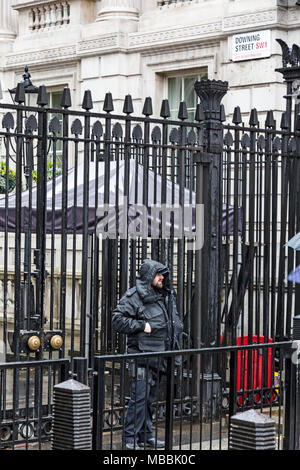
(165, 109)
(20, 93)
(182, 113)
(108, 103)
(147, 109)
(128, 106)
(42, 99)
(253, 121)
(87, 102)
(237, 116)
(297, 123)
(199, 116)
(66, 98)
(270, 121)
(284, 123)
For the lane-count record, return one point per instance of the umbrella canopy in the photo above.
(75, 199)
(295, 275)
(294, 242)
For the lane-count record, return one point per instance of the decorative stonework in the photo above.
(45, 56)
(252, 19)
(173, 34)
(50, 15)
(100, 43)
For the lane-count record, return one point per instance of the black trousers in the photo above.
(138, 420)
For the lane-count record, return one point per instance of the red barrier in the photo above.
(246, 382)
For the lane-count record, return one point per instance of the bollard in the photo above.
(252, 431)
(71, 424)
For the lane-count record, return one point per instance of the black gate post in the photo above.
(290, 71)
(208, 190)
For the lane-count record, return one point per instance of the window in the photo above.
(54, 100)
(182, 89)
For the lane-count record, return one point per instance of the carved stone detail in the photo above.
(258, 18)
(173, 34)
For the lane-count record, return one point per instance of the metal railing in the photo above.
(185, 415)
(26, 400)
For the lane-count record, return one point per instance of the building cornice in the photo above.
(158, 41)
(142, 40)
(256, 19)
(59, 54)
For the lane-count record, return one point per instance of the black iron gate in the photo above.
(78, 222)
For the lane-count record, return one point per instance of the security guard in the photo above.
(147, 314)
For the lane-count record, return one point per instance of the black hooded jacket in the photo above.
(145, 304)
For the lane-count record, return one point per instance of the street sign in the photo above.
(253, 45)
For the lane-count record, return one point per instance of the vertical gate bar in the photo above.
(289, 415)
(297, 222)
(63, 244)
(27, 255)
(232, 388)
(52, 255)
(146, 153)
(125, 240)
(266, 233)
(169, 403)
(291, 230)
(227, 168)
(95, 261)
(17, 276)
(251, 252)
(74, 248)
(181, 156)
(164, 156)
(259, 236)
(274, 254)
(41, 223)
(279, 328)
(5, 261)
(115, 243)
(190, 257)
(235, 235)
(85, 235)
(27, 390)
(98, 403)
(171, 242)
(104, 346)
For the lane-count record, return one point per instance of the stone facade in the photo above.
(132, 46)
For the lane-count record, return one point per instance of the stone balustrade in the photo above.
(49, 15)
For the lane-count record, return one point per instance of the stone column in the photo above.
(123, 12)
(8, 20)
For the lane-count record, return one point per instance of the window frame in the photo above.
(198, 73)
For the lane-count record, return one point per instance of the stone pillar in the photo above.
(8, 29)
(124, 13)
(8, 20)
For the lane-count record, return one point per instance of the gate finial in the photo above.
(211, 93)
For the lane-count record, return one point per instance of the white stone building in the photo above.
(149, 48)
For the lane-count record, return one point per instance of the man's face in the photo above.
(158, 280)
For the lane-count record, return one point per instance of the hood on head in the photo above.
(147, 273)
